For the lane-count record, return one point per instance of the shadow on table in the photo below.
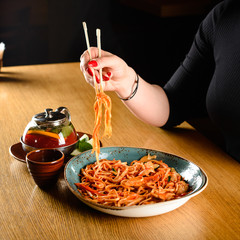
(12, 77)
(61, 193)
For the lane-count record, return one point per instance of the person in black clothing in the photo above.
(208, 80)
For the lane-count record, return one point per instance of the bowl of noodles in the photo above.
(133, 182)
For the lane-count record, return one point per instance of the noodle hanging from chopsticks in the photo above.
(102, 99)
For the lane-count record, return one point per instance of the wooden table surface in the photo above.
(27, 212)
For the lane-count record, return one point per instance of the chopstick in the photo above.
(98, 32)
(87, 39)
(89, 52)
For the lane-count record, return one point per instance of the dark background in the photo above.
(151, 36)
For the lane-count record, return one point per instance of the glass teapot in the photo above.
(50, 129)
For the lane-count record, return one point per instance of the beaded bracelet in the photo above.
(134, 91)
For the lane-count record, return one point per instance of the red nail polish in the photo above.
(109, 74)
(105, 78)
(93, 63)
(97, 79)
(89, 71)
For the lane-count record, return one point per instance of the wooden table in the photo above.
(27, 212)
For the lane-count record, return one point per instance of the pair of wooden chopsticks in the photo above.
(98, 32)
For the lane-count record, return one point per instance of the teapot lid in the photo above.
(55, 117)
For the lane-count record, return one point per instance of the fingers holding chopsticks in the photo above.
(104, 70)
(116, 74)
(88, 66)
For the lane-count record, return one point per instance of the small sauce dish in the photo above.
(45, 165)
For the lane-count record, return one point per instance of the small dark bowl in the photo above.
(45, 165)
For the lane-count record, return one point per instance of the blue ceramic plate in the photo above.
(193, 174)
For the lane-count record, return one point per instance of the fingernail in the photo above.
(105, 78)
(109, 74)
(89, 71)
(97, 79)
(93, 63)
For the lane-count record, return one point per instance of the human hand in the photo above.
(117, 75)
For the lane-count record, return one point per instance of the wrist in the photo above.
(134, 90)
(127, 87)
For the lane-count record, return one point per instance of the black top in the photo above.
(208, 80)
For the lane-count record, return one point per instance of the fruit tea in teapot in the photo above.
(50, 129)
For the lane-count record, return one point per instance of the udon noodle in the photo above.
(144, 181)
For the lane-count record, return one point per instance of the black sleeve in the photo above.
(187, 88)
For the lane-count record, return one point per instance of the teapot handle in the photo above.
(65, 111)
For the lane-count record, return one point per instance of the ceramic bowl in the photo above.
(193, 174)
(45, 165)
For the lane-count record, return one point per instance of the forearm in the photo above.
(150, 104)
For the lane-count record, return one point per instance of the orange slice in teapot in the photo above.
(49, 134)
